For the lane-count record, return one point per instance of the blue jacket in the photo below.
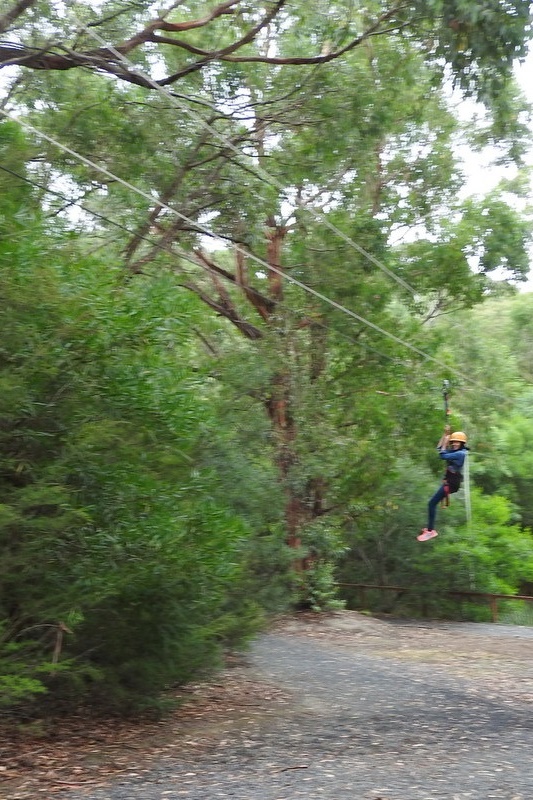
(454, 458)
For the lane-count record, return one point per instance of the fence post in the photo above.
(424, 604)
(494, 608)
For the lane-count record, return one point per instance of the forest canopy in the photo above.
(238, 259)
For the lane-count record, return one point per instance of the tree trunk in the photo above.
(280, 404)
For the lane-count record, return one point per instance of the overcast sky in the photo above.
(482, 179)
(482, 175)
(525, 76)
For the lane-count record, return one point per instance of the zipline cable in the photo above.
(185, 256)
(256, 169)
(199, 227)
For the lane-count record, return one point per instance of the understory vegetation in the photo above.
(229, 299)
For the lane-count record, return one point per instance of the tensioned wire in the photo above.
(185, 256)
(269, 179)
(291, 279)
(179, 253)
(252, 167)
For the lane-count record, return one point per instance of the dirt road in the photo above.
(346, 707)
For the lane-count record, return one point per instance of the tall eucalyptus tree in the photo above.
(302, 137)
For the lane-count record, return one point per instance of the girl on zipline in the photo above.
(452, 448)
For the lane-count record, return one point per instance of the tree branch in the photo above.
(110, 59)
(226, 51)
(10, 16)
(263, 305)
(246, 328)
(373, 30)
(224, 8)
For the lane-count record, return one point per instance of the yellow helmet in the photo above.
(458, 436)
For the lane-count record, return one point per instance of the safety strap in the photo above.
(447, 412)
(468, 506)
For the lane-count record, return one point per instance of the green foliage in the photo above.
(112, 523)
(14, 689)
(317, 587)
(492, 554)
(495, 353)
(479, 40)
(154, 461)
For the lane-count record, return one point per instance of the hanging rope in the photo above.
(466, 486)
(466, 466)
(445, 391)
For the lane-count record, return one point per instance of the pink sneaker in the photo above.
(426, 534)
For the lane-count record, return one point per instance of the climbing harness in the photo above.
(452, 484)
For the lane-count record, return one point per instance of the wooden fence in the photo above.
(487, 597)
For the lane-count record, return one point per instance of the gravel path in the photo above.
(377, 711)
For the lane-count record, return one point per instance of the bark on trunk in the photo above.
(279, 406)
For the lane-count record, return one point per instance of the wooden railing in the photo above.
(489, 597)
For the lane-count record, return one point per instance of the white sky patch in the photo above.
(524, 75)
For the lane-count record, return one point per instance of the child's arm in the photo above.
(445, 438)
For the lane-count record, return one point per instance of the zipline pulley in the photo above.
(445, 394)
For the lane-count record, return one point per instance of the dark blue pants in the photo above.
(439, 495)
